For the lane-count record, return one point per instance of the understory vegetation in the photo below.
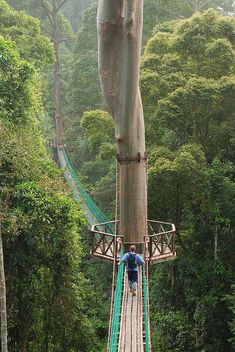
(57, 296)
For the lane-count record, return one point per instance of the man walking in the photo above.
(132, 260)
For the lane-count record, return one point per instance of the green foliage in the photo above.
(84, 87)
(177, 329)
(25, 31)
(231, 303)
(174, 177)
(98, 171)
(45, 271)
(18, 79)
(66, 35)
(35, 9)
(32, 46)
(85, 91)
(192, 68)
(97, 126)
(46, 290)
(187, 84)
(193, 113)
(73, 10)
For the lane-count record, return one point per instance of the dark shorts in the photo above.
(132, 276)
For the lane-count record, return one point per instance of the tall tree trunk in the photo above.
(3, 298)
(51, 9)
(58, 104)
(57, 75)
(119, 43)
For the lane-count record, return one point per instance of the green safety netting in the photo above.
(117, 309)
(82, 194)
(146, 314)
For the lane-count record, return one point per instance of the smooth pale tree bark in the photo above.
(3, 304)
(119, 25)
(52, 14)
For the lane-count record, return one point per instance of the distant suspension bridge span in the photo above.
(129, 328)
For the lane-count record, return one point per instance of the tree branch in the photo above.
(198, 5)
(64, 39)
(172, 13)
(61, 5)
(46, 33)
(203, 5)
(47, 11)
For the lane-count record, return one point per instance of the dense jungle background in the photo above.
(57, 296)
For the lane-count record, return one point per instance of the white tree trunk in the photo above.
(3, 305)
(120, 25)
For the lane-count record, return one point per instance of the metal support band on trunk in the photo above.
(128, 159)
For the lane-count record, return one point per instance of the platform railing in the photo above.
(161, 241)
(106, 240)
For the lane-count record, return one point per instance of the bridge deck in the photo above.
(131, 324)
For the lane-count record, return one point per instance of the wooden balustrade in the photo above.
(159, 243)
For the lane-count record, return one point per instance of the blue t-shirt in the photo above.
(138, 259)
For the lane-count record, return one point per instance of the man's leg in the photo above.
(129, 273)
(134, 282)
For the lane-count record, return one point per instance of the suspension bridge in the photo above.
(129, 326)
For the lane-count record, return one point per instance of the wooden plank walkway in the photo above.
(131, 325)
